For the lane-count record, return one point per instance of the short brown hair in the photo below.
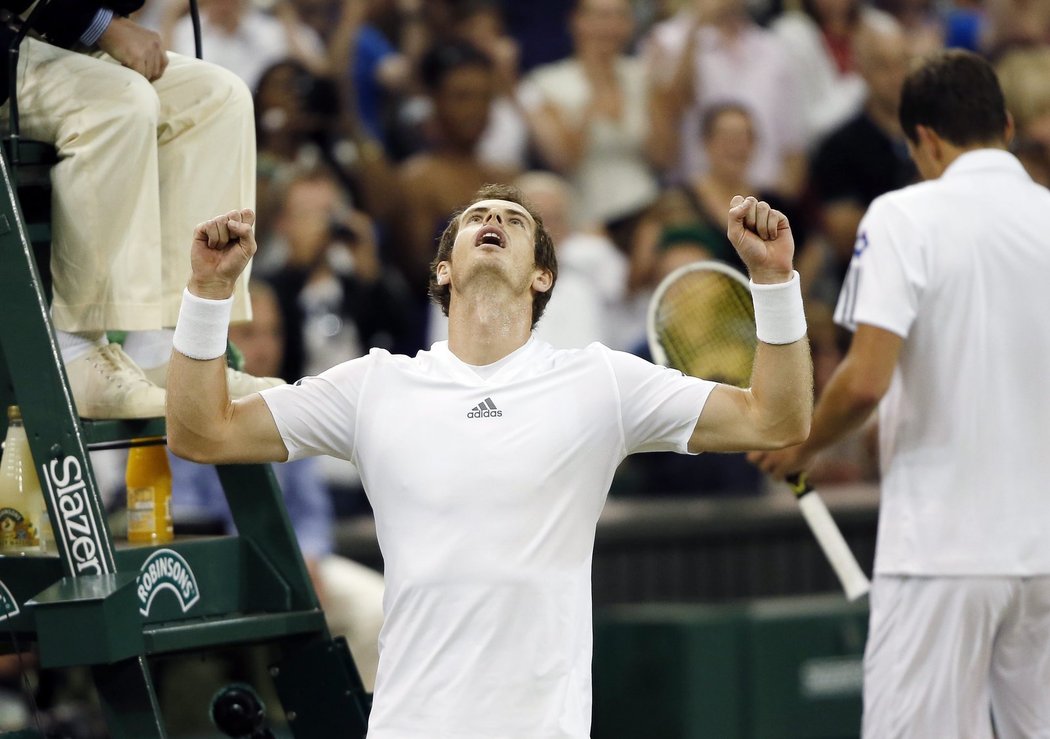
(544, 248)
(956, 94)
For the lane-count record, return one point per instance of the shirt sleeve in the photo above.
(659, 407)
(98, 26)
(886, 275)
(62, 22)
(318, 415)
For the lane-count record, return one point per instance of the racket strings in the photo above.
(705, 322)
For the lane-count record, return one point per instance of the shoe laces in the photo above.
(114, 358)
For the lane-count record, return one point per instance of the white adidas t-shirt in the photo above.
(958, 267)
(486, 494)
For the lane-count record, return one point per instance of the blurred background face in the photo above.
(602, 26)
(481, 26)
(719, 11)
(730, 144)
(462, 102)
(225, 13)
(883, 61)
(282, 101)
(306, 217)
(261, 341)
(552, 202)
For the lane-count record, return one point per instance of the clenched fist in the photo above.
(221, 249)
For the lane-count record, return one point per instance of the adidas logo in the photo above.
(485, 409)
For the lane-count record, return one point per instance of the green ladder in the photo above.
(115, 608)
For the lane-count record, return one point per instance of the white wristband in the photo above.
(779, 316)
(202, 327)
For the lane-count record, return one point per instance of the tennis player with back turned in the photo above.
(487, 459)
(948, 300)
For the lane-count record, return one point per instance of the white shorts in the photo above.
(948, 656)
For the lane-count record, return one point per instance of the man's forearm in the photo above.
(198, 406)
(782, 388)
(844, 405)
(198, 403)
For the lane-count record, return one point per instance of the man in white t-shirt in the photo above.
(946, 295)
(488, 458)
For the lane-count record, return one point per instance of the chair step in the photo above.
(181, 636)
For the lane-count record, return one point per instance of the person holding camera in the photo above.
(336, 296)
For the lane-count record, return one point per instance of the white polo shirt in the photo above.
(487, 484)
(960, 268)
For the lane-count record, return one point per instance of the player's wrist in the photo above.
(215, 289)
(771, 276)
(203, 325)
(780, 317)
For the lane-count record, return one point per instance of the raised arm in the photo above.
(204, 425)
(776, 410)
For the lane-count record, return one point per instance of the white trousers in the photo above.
(140, 165)
(948, 656)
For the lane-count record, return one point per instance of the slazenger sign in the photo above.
(166, 570)
(79, 529)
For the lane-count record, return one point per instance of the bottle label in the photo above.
(16, 531)
(142, 519)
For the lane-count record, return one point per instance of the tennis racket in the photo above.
(701, 321)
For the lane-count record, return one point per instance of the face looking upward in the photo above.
(495, 245)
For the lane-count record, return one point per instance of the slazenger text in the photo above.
(78, 527)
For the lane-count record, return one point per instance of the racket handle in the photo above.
(827, 534)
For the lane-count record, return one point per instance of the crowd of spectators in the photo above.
(631, 124)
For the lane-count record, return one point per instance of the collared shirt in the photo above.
(958, 268)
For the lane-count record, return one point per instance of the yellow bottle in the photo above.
(148, 478)
(21, 500)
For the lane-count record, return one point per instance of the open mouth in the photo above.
(491, 236)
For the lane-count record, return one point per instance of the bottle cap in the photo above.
(14, 413)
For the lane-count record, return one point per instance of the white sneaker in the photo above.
(240, 384)
(107, 384)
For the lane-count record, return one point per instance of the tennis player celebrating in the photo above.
(948, 299)
(488, 458)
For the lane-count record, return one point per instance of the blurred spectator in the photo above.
(1024, 74)
(923, 27)
(820, 38)
(371, 69)
(237, 35)
(589, 119)
(694, 211)
(337, 299)
(861, 160)
(966, 26)
(592, 272)
(1015, 24)
(711, 52)
(461, 84)
(506, 139)
(299, 125)
(351, 595)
